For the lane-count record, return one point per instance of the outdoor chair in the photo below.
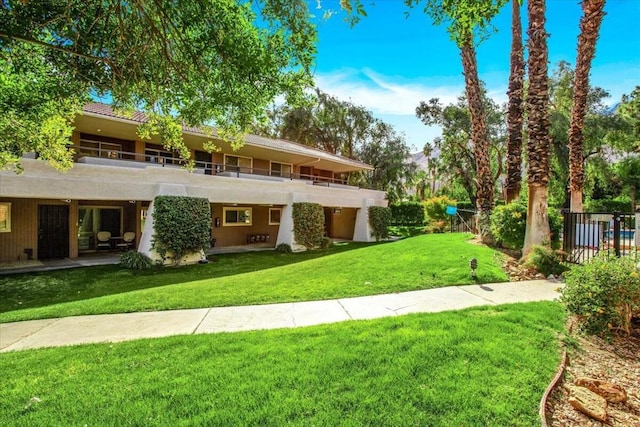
(104, 240)
(127, 241)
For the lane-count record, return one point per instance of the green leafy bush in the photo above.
(435, 208)
(379, 220)
(604, 294)
(407, 213)
(508, 224)
(325, 243)
(617, 204)
(546, 260)
(284, 247)
(182, 225)
(308, 224)
(135, 260)
(437, 226)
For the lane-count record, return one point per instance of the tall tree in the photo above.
(350, 130)
(516, 107)
(387, 151)
(193, 62)
(538, 143)
(324, 122)
(593, 12)
(455, 147)
(467, 23)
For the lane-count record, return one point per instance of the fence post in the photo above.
(616, 233)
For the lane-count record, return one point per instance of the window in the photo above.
(238, 164)
(5, 217)
(237, 216)
(281, 169)
(155, 154)
(100, 149)
(274, 216)
(93, 219)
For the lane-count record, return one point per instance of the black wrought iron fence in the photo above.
(585, 235)
(463, 221)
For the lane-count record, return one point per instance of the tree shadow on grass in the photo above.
(41, 289)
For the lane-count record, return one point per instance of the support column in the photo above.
(362, 229)
(285, 231)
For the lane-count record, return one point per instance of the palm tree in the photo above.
(516, 107)
(484, 178)
(538, 141)
(593, 12)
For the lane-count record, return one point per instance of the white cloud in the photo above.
(394, 99)
(384, 94)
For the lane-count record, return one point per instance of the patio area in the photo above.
(108, 258)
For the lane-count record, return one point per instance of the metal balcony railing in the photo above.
(112, 157)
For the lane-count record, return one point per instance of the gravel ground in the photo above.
(616, 361)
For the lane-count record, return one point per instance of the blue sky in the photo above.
(389, 63)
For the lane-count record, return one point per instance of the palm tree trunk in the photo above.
(539, 142)
(514, 117)
(589, 29)
(479, 137)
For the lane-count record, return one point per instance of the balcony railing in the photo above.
(110, 157)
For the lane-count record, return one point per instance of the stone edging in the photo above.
(543, 402)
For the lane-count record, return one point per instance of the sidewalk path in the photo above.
(130, 326)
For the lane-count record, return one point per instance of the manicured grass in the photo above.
(420, 262)
(478, 367)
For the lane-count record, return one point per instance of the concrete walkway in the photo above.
(130, 326)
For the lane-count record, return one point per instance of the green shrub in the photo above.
(604, 294)
(284, 247)
(308, 224)
(135, 260)
(437, 226)
(546, 260)
(379, 220)
(435, 208)
(182, 225)
(508, 224)
(618, 204)
(325, 243)
(407, 213)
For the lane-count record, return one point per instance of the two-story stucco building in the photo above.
(48, 214)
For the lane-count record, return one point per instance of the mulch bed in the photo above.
(616, 361)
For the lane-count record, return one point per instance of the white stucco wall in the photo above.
(99, 182)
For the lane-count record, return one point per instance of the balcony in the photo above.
(116, 158)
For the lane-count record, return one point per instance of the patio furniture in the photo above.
(104, 240)
(127, 241)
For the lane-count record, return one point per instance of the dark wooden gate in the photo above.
(53, 231)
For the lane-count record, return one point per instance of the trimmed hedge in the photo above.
(308, 224)
(379, 220)
(407, 214)
(182, 225)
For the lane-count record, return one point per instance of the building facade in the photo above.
(105, 201)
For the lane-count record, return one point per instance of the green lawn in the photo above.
(484, 366)
(352, 269)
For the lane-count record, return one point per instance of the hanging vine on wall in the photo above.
(379, 220)
(181, 225)
(308, 224)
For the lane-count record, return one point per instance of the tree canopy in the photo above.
(217, 62)
(456, 152)
(349, 130)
